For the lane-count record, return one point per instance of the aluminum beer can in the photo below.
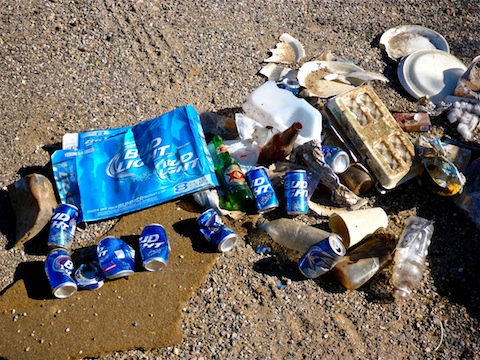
(154, 247)
(89, 276)
(291, 85)
(336, 158)
(214, 230)
(322, 257)
(62, 226)
(59, 268)
(116, 257)
(296, 192)
(262, 189)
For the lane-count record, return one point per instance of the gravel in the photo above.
(70, 66)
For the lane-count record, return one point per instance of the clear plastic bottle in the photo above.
(292, 234)
(410, 254)
(361, 264)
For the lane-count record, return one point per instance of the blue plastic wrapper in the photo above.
(116, 171)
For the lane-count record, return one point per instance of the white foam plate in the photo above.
(401, 41)
(432, 73)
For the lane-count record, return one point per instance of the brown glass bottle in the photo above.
(279, 146)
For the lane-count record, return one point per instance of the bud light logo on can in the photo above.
(62, 226)
(322, 257)
(296, 192)
(116, 257)
(59, 268)
(89, 276)
(154, 247)
(262, 188)
(214, 230)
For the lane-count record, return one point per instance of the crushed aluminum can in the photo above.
(214, 230)
(59, 268)
(322, 257)
(116, 257)
(296, 192)
(289, 84)
(154, 247)
(336, 158)
(89, 276)
(62, 226)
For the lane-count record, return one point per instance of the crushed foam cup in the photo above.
(354, 226)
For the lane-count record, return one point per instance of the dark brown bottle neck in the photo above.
(289, 135)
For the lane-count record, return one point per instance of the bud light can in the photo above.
(214, 230)
(59, 268)
(154, 247)
(296, 192)
(322, 257)
(89, 276)
(116, 257)
(336, 158)
(262, 188)
(62, 226)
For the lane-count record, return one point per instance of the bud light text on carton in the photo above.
(116, 172)
(296, 192)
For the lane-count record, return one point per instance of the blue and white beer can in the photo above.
(336, 158)
(214, 230)
(322, 257)
(296, 192)
(262, 189)
(59, 268)
(116, 257)
(89, 276)
(62, 226)
(154, 247)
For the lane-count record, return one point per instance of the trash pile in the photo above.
(319, 129)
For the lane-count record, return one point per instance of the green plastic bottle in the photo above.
(231, 176)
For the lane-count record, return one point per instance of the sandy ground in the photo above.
(73, 66)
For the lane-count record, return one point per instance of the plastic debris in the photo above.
(447, 179)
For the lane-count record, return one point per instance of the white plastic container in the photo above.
(279, 108)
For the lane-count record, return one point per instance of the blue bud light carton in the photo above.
(214, 230)
(296, 192)
(62, 226)
(59, 268)
(154, 247)
(116, 257)
(107, 173)
(262, 189)
(89, 276)
(322, 257)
